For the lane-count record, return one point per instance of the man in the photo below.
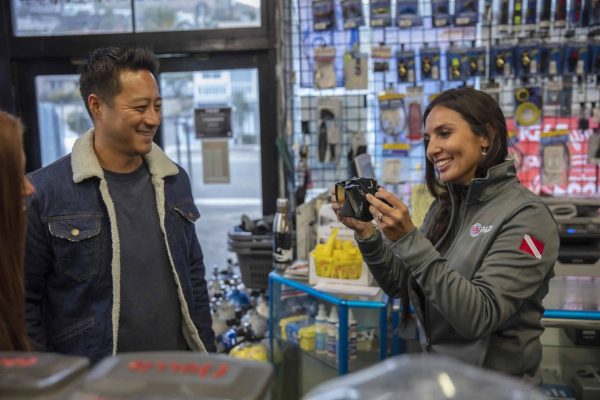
(112, 262)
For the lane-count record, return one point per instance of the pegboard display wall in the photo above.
(358, 75)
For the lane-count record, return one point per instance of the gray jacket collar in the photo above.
(85, 162)
(488, 186)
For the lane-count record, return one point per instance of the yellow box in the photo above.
(307, 337)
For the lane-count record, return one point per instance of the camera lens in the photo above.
(340, 193)
(355, 197)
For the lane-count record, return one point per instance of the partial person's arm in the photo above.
(387, 270)
(38, 261)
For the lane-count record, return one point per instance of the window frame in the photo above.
(163, 42)
(24, 58)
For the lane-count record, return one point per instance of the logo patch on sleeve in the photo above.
(532, 245)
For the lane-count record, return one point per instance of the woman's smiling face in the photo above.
(453, 148)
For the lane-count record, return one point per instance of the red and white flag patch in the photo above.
(532, 245)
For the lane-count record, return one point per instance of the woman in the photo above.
(13, 190)
(477, 270)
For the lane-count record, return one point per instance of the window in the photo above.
(220, 205)
(75, 17)
(61, 114)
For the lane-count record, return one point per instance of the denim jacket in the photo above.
(72, 262)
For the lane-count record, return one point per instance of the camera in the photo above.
(351, 195)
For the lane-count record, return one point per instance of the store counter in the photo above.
(573, 301)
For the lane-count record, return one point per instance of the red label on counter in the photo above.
(18, 362)
(202, 370)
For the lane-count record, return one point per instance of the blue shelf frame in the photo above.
(275, 282)
(590, 315)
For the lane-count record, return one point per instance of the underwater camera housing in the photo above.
(351, 195)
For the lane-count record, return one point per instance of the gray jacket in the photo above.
(478, 292)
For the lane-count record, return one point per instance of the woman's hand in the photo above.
(363, 229)
(394, 221)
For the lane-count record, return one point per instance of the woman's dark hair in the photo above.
(100, 71)
(12, 235)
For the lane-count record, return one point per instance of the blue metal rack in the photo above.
(275, 282)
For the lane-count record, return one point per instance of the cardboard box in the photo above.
(336, 269)
(364, 278)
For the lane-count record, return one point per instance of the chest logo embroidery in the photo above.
(477, 229)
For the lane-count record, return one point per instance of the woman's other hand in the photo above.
(394, 221)
(363, 229)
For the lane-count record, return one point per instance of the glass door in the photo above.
(238, 191)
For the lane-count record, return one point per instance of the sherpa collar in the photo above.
(85, 163)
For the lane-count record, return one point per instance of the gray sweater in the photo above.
(478, 292)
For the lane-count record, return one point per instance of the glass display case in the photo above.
(281, 289)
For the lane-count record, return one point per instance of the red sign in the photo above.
(207, 370)
(18, 362)
(581, 178)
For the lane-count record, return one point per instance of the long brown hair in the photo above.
(12, 235)
(484, 116)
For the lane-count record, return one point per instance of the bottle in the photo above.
(321, 330)
(332, 332)
(352, 336)
(282, 236)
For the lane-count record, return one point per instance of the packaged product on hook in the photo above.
(392, 115)
(487, 13)
(329, 114)
(545, 14)
(530, 15)
(352, 12)
(528, 106)
(356, 72)
(457, 63)
(440, 13)
(407, 13)
(517, 19)
(466, 12)
(501, 61)
(551, 59)
(323, 15)
(414, 99)
(324, 74)
(406, 66)
(474, 64)
(560, 16)
(528, 60)
(503, 15)
(577, 57)
(381, 58)
(381, 13)
(430, 63)
(395, 163)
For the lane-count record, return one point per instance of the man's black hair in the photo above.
(100, 71)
